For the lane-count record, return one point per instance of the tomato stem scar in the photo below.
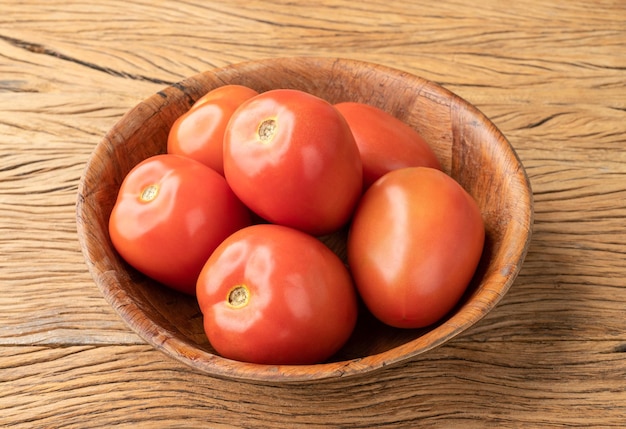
(266, 130)
(149, 193)
(238, 296)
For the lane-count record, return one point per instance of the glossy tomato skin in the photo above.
(385, 142)
(301, 303)
(291, 158)
(414, 245)
(199, 133)
(171, 213)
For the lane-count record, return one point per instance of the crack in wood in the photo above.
(621, 348)
(37, 48)
(542, 121)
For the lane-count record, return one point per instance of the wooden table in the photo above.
(551, 74)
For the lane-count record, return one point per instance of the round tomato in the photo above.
(291, 158)
(199, 133)
(271, 294)
(414, 245)
(171, 213)
(385, 142)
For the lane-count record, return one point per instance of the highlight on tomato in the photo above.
(170, 214)
(199, 133)
(291, 158)
(413, 246)
(385, 142)
(271, 294)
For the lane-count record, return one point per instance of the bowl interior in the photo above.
(470, 148)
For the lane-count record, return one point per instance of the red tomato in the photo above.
(199, 133)
(414, 245)
(171, 213)
(385, 142)
(291, 158)
(235, 93)
(271, 294)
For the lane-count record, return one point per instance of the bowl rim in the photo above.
(211, 364)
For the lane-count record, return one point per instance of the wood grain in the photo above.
(550, 74)
(132, 385)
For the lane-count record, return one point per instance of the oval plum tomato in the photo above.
(171, 213)
(414, 245)
(235, 93)
(385, 142)
(291, 157)
(271, 294)
(199, 133)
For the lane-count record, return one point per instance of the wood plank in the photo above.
(135, 385)
(550, 74)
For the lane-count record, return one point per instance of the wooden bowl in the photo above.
(471, 149)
